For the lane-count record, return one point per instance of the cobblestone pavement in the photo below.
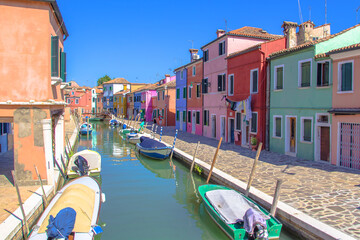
(325, 192)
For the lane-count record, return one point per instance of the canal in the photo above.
(145, 198)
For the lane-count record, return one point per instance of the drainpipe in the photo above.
(267, 96)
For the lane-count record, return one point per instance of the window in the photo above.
(238, 121)
(72, 93)
(205, 85)
(177, 115)
(194, 71)
(158, 96)
(104, 88)
(221, 82)
(197, 90)
(63, 66)
(231, 85)
(254, 81)
(189, 116)
(162, 113)
(76, 101)
(254, 117)
(178, 93)
(306, 129)
(68, 101)
(184, 116)
(206, 55)
(182, 74)
(206, 118)
(184, 93)
(189, 92)
(345, 76)
(279, 77)
(323, 73)
(221, 48)
(163, 92)
(197, 117)
(304, 77)
(277, 126)
(54, 56)
(110, 88)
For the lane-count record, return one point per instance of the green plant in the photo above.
(253, 140)
(198, 169)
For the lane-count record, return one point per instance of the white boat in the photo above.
(134, 138)
(93, 161)
(82, 195)
(153, 148)
(86, 128)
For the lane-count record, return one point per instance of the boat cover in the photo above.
(255, 223)
(151, 143)
(124, 126)
(82, 199)
(142, 138)
(231, 205)
(62, 225)
(93, 159)
(82, 164)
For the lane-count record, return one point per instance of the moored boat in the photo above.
(80, 202)
(86, 162)
(153, 148)
(114, 122)
(237, 215)
(86, 128)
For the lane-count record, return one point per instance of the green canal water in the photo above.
(145, 198)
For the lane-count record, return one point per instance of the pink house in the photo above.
(345, 128)
(215, 74)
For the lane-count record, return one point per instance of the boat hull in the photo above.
(155, 153)
(85, 131)
(94, 161)
(237, 231)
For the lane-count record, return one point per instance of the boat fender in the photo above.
(103, 199)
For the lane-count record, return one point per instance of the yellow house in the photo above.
(120, 102)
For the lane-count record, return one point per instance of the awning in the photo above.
(344, 111)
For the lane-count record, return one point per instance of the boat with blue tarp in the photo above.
(153, 148)
(86, 128)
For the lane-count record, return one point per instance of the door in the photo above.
(181, 120)
(293, 135)
(231, 130)
(246, 131)
(193, 122)
(325, 143)
(213, 126)
(222, 127)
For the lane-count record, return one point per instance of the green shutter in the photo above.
(305, 74)
(278, 127)
(326, 74)
(63, 66)
(177, 115)
(346, 77)
(254, 123)
(255, 81)
(307, 130)
(185, 93)
(184, 116)
(54, 56)
(177, 93)
(279, 78)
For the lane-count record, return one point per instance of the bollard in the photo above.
(276, 197)
(193, 162)
(213, 162)
(253, 170)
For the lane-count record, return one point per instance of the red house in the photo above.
(79, 99)
(246, 95)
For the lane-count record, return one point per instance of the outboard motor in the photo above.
(82, 164)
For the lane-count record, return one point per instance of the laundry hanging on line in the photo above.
(241, 105)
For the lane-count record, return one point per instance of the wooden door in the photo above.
(293, 135)
(325, 143)
(232, 129)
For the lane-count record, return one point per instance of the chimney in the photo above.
(193, 54)
(290, 33)
(167, 78)
(305, 33)
(220, 32)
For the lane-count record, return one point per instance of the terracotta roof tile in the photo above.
(117, 80)
(253, 32)
(171, 84)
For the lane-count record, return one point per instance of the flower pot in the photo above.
(253, 147)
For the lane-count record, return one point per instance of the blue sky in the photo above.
(144, 40)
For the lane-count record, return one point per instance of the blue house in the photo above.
(181, 95)
(137, 103)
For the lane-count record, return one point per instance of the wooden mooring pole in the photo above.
(276, 197)
(253, 170)
(214, 160)
(193, 162)
(42, 187)
(20, 203)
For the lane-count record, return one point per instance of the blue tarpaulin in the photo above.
(151, 143)
(62, 225)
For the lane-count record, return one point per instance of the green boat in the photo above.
(222, 203)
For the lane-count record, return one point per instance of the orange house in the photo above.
(164, 104)
(33, 64)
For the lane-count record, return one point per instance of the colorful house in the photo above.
(248, 69)
(95, 103)
(301, 90)
(215, 68)
(110, 88)
(79, 99)
(137, 103)
(345, 111)
(120, 102)
(146, 107)
(33, 71)
(130, 105)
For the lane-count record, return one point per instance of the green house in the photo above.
(301, 91)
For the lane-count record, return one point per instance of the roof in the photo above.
(171, 84)
(308, 44)
(188, 64)
(344, 111)
(122, 92)
(147, 87)
(251, 32)
(338, 50)
(117, 80)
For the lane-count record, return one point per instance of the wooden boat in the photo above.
(228, 208)
(84, 196)
(114, 122)
(86, 128)
(153, 149)
(134, 138)
(93, 161)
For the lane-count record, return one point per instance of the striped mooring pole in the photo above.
(160, 133)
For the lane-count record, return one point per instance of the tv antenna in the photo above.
(357, 11)
(225, 25)
(309, 12)
(300, 14)
(325, 11)
(192, 43)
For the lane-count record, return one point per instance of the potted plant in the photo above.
(253, 143)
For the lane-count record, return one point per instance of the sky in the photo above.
(142, 41)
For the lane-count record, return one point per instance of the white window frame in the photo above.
(330, 73)
(76, 101)
(257, 123)
(339, 77)
(222, 48)
(189, 92)
(275, 77)
(274, 126)
(194, 71)
(68, 100)
(229, 85)
(236, 118)
(302, 129)
(299, 72)
(251, 80)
